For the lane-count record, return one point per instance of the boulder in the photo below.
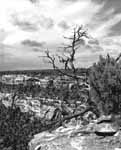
(105, 126)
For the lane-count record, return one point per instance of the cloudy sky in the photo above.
(28, 27)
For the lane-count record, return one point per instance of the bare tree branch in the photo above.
(117, 59)
(69, 51)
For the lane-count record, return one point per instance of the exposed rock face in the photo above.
(78, 137)
(30, 105)
(71, 139)
(61, 139)
(105, 126)
(49, 112)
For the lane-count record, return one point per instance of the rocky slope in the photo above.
(75, 138)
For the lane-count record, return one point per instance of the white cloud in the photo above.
(45, 12)
(112, 45)
(19, 17)
(104, 28)
(81, 12)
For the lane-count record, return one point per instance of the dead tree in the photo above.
(67, 58)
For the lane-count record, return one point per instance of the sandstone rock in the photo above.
(105, 126)
(57, 140)
(49, 113)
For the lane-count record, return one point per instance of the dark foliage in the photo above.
(17, 128)
(105, 82)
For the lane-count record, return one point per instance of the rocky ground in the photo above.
(94, 142)
(71, 138)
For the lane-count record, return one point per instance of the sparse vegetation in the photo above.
(105, 82)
